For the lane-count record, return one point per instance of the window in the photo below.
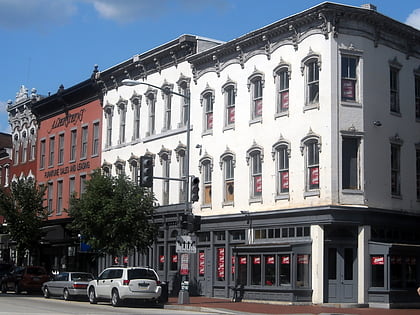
(255, 86)
(167, 100)
(95, 142)
(310, 148)
(122, 110)
(395, 170)
(180, 154)
(207, 99)
(229, 91)
(183, 84)
(350, 163)
(302, 270)
(24, 147)
(281, 154)
(51, 151)
(33, 149)
(109, 111)
(165, 160)
(284, 270)
(134, 167)
(417, 95)
(50, 198)
(59, 197)
(206, 165)
(16, 155)
(221, 267)
(161, 252)
(255, 270)
(120, 167)
(72, 186)
(73, 145)
(135, 103)
(174, 258)
(42, 154)
(282, 86)
(310, 67)
(82, 184)
(418, 172)
(60, 148)
(254, 158)
(349, 78)
(151, 102)
(228, 176)
(270, 270)
(83, 153)
(394, 89)
(377, 271)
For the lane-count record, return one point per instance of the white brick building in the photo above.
(305, 136)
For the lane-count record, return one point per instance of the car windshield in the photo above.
(81, 276)
(141, 274)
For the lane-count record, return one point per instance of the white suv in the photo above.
(116, 284)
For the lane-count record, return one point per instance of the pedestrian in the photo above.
(418, 290)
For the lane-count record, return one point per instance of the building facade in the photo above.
(304, 135)
(69, 149)
(6, 250)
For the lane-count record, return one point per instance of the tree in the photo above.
(23, 208)
(114, 215)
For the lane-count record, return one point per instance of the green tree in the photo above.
(114, 215)
(23, 208)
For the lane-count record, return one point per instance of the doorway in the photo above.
(341, 271)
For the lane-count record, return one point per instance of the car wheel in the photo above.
(17, 288)
(66, 295)
(46, 292)
(92, 296)
(115, 298)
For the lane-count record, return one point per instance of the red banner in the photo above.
(161, 259)
(184, 265)
(221, 262)
(285, 180)
(231, 115)
(258, 108)
(377, 260)
(174, 258)
(210, 121)
(257, 260)
(285, 260)
(348, 89)
(258, 184)
(242, 260)
(270, 260)
(201, 263)
(285, 100)
(314, 175)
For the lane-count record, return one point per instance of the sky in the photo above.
(46, 43)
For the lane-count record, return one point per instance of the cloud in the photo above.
(414, 19)
(41, 14)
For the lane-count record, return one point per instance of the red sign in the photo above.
(242, 260)
(270, 260)
(285, 180)
(285, 100)
(258, 108)
(221, 262)
(377, 260)
(116, 260)
(174, 258)
(125, 259)
(210, 121)
(161, 259)
(258, 184)
(201, 263)
(303, 259)
(184, 265)
(285, 260)
(314, 175)
(231, 115)
(257, 260)
(348, 89)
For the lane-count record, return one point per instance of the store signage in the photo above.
(73, 118)
(161, 259)
(270, 260)
(67, 169)
(303, 259)
(378, 260)
(201, 263)
(221, 262)
(185, 244)
(285, 260)
(184, 265)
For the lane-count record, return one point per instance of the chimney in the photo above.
(369, 6)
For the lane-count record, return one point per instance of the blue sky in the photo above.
(46, 43)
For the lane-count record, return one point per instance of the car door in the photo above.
(60, 282)
(103, 282)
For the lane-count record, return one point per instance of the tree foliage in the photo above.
(113, 215)
(23, 208)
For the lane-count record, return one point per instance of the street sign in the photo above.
(185, 244)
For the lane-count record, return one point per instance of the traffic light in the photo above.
(146, 171)
(184, 221)
(190, 222)
(195, 188)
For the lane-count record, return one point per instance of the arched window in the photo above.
(281, 154)
(310, 148)
(256, 86)
(227, 164)
(254, 159)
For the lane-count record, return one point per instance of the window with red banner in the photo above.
(270, 270)
(284, 181)
(201, 263)
(220, 276)
(284, 269)
(284, 101)
(377, 270)
(314, 177)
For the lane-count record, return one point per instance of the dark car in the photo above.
(68, 285)
(29, 279)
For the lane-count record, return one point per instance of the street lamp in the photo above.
(183, 297)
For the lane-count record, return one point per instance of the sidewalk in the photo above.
(225, 306)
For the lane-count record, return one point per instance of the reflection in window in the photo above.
(256, 270)
(302, 271)
(270, 270)
(284, 269)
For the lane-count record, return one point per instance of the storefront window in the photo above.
(161, 258)
(174, 258)
(378, 275)
(410, 272)
(396, 271)
(256, 270)
(284, 269)
(270, 270)
(201, 263)
(242, 270)
(302, 271)
(220, 276)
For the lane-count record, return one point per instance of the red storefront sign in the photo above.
(242, 260)
(377, 260)
(285, 260)
(221, 262)
(257, 260)
(303, 259)
(174, 258)
(161, 259)
(201, 263)
(270, 260)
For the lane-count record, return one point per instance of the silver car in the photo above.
(68, 285)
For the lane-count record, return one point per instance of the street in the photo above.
(37, 305)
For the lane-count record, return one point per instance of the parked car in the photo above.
(117, 284)
(29, 279)
(69, 285)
